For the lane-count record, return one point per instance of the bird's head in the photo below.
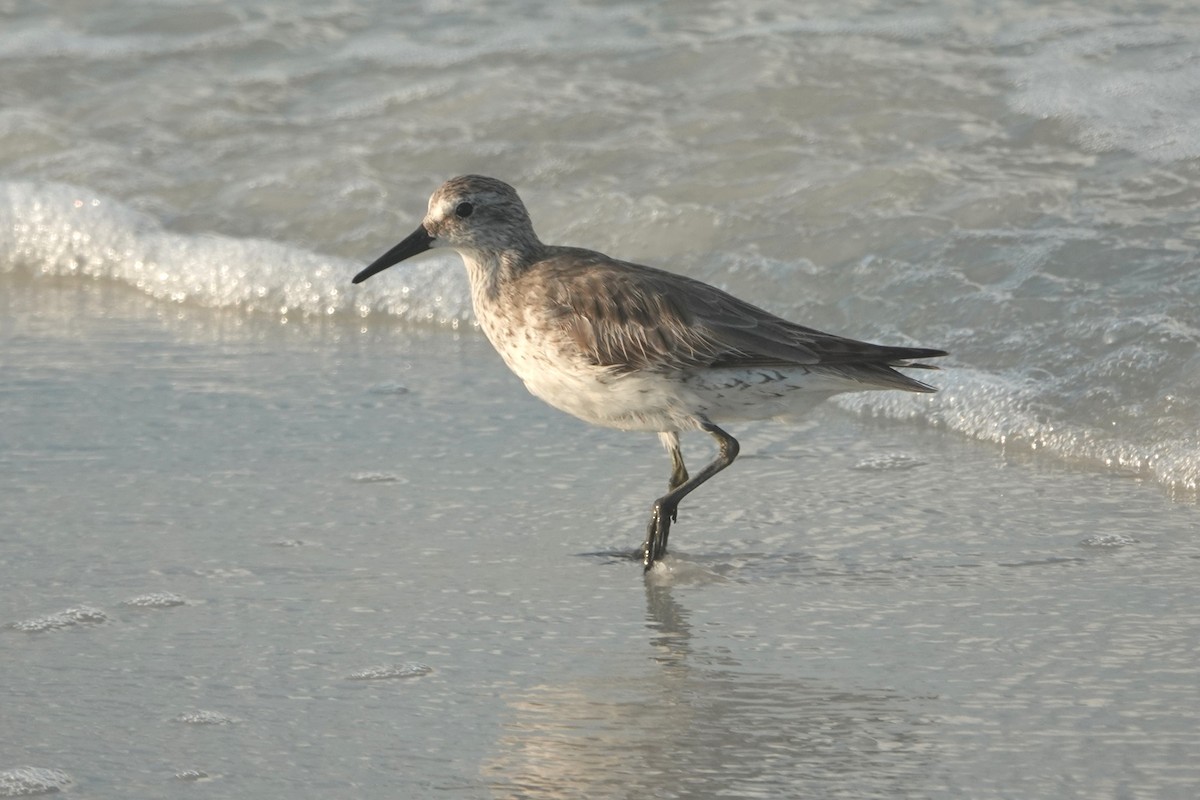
(477, 216)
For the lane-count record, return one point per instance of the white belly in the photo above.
(665, 401)
(554, 371)
(595, 394)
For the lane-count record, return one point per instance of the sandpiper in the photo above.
(633, 347)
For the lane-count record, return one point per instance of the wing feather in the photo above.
(629, 317)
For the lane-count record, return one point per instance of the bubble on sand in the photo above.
(883, 462)
(388, 388)
(204, 718)
(191, 775)
(82, 615)
(1108, 540)
(391, 672)
(156, 600)
(376, 477)
(26, 781)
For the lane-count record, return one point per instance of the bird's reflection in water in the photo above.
(688, 721)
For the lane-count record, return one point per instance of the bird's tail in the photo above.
(882, 374)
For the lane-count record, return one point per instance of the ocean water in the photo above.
(265, 533)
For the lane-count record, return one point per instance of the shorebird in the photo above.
(633, 347)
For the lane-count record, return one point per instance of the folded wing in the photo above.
(628, 317)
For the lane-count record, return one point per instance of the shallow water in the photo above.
(265, 534)
(857, 609)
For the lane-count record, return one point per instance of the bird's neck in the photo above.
(491, 270)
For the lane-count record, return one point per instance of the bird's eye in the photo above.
(463, 210)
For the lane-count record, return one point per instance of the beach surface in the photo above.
(301, 560)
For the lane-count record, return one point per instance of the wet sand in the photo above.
(854, 609)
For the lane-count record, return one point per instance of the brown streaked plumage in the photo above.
(638, 348)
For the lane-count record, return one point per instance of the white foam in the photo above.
(60, 230)
(1013, 413)
(1133, 87)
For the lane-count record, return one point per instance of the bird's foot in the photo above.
(655, 546)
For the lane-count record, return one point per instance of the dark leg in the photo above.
(665, 507)
(679, 474)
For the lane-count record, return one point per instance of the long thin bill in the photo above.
(417, 242)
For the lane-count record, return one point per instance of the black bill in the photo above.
(417, 242)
